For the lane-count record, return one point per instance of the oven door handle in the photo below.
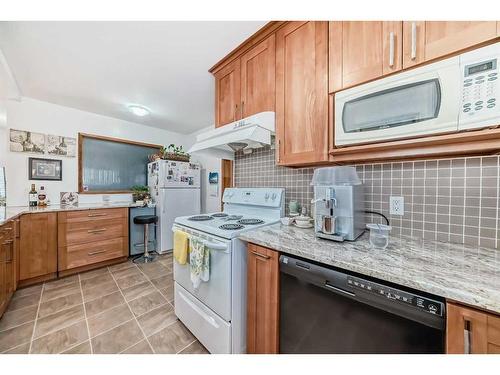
(211, 245)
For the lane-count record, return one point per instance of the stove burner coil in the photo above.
(220, 214)
(200, 218)
(250, 221)
(231, 226)
(234, 217)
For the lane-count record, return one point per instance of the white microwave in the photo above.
(456, 94)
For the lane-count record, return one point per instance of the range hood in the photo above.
(246, 134)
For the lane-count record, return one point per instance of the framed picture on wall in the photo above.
(45, 169)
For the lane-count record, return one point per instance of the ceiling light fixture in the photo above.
(138, 110)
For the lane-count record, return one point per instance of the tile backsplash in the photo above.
(454, 200)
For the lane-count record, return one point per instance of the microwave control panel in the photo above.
(480, 87)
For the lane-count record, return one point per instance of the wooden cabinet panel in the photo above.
(38, 245)
(3, 284)
(361, 51)
(428, 40)
(262, 300)
(7, 264)
(227, 93)
(258, 78)
(90, 237)
(302, 93)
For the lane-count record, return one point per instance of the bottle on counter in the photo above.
(42, 197)
(33, 196)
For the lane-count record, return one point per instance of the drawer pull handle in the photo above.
(96, 231)
(261, 255)
(96, 215)
(96, 252)
(8, 242)
(7, 229)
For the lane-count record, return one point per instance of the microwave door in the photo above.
(415, 103)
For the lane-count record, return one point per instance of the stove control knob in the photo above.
(266, 197)
(273, 196)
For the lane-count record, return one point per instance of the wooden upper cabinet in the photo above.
(258, 78)
(428, 40)
(227, 93)
(262, 300)
(302, 93)
(38, 245)
(361, 51)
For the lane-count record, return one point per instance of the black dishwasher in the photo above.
(324, 310)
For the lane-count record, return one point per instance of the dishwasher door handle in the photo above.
(339, 290)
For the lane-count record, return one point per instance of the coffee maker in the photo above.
(338, 203)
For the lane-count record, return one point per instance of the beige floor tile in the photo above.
(138, 290)
(168, 292)
(15, 318)
(163, 281)
(99, 291)
(60, 319)
(58, 304)
(147, 303)
(157, 319)
(117, 339)
(61, 340)
(141, 347)
(16, 336)
(121, 266)
(22, 302)
(34, 289)
(90, 274)
(171, 339)
(153, 270)
(167, 263)
(21, 349)
(126, 272)
(109, 319)
(103, 303)
(60, 291)
(65, 281)
(195, 348)
(96, 281)
(130, 281)
(83, 348)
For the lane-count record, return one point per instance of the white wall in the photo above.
(43, 117)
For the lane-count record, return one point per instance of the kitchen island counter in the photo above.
(466, 274)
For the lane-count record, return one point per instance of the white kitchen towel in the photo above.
(199, 262)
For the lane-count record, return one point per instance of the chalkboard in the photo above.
(109, 165)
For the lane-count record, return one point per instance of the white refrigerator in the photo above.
(175, 189)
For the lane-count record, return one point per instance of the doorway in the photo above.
(226, 176)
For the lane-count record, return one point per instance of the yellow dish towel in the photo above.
(181, 246)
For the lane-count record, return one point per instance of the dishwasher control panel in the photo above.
(397, 295)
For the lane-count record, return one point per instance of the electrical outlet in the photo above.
(397, 206)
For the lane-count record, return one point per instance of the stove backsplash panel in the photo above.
(454, 200)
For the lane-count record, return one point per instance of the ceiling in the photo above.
(102, 67)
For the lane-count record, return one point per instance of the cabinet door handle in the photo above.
(7, 229)
(235, 112)
(96, 215)
(96, 252)
(242, 109)
(96, 230)
(260, 255)
(467, 337)
(279, 150)
(413, 40)
(8, 242)
(391, 49)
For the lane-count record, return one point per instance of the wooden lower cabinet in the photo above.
(471, 331)
(37, 247)
(87, 238)
(7, 265)
(262, 300)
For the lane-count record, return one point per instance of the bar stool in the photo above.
(146, 220)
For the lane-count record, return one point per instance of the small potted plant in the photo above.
(140, 192)
(172, 152)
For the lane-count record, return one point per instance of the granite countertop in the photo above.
(462, 273)
(11, 212)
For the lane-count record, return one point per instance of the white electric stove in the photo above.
(216, 312)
